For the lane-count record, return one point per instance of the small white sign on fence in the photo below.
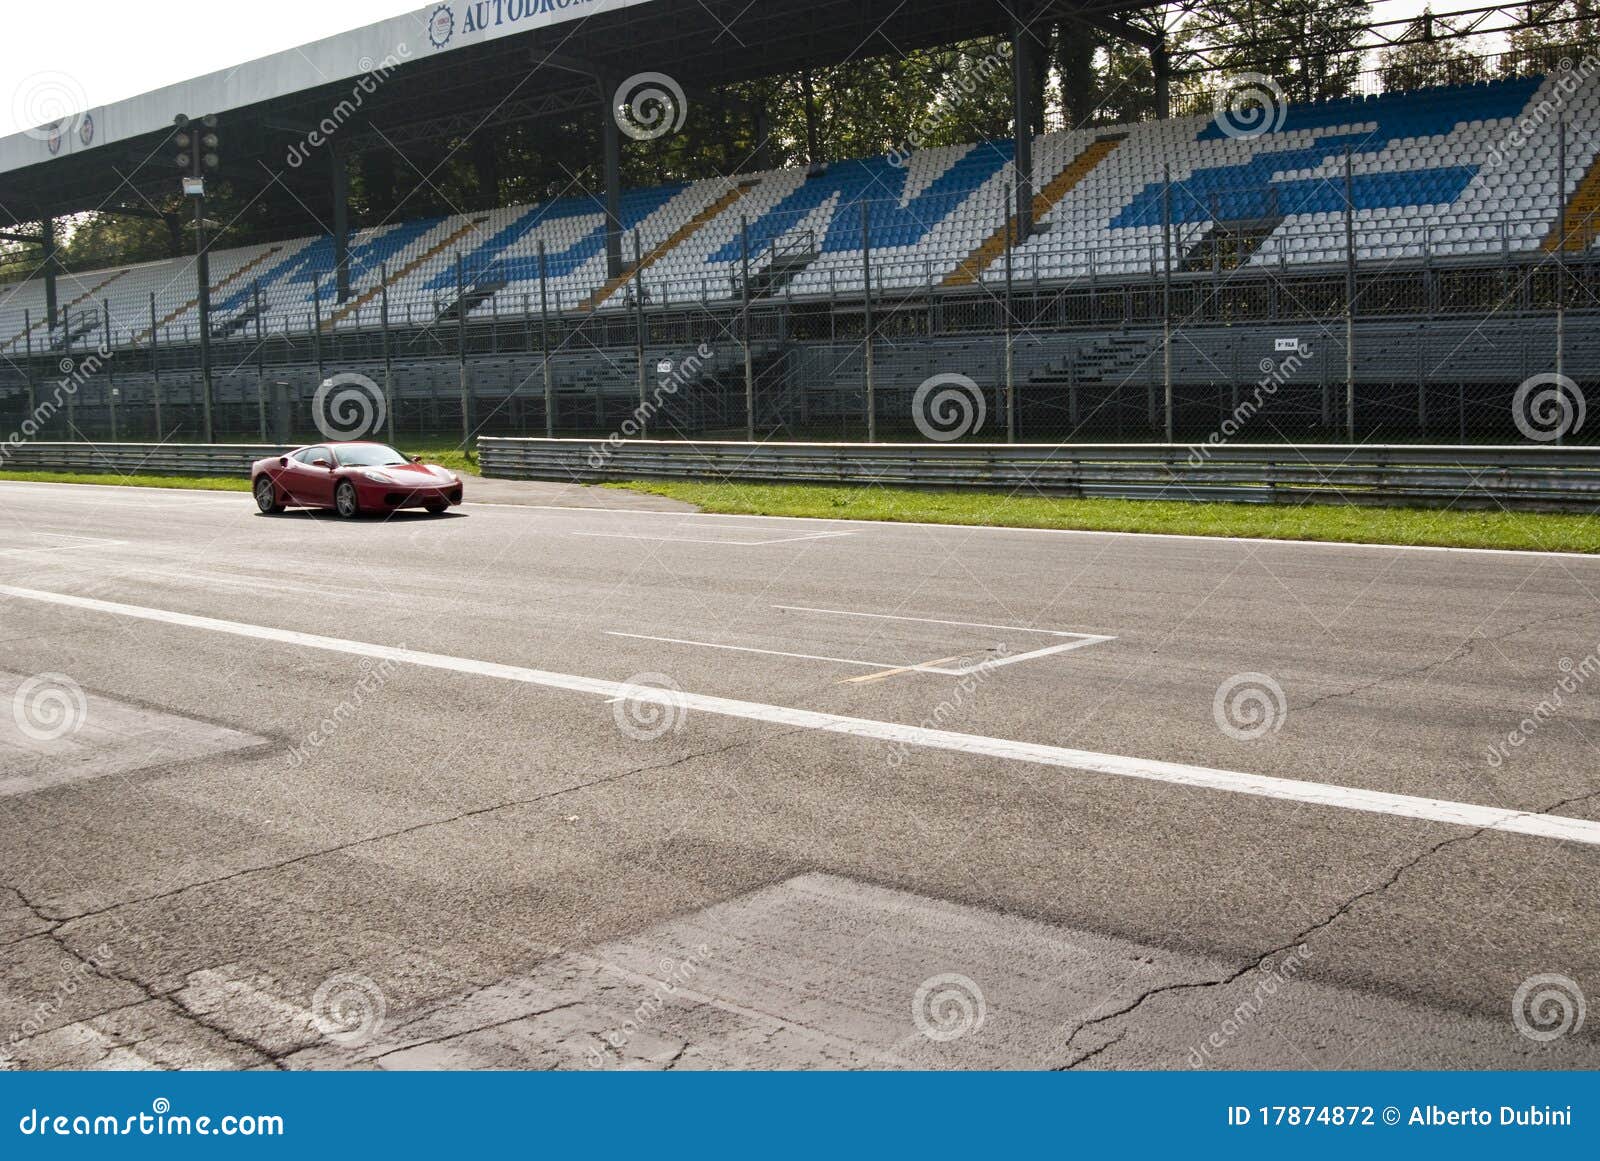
(1286, 345)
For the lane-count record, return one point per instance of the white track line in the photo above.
(88, 542)
(710, 540)
(896, 666)
(1072, 640)
(1284, 789)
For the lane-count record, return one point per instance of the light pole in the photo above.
(197, 153)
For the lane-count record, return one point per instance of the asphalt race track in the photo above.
(538, 785)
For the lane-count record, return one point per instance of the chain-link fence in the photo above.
(1200, 331)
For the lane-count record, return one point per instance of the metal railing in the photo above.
(127, 459)
(1512, 477)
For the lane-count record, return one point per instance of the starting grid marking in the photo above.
(941, 666)
(1349, 798)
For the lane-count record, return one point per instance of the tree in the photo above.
(1547, 32)
(1426, 59)
(1312, 48)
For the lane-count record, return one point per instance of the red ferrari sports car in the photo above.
(352, 478)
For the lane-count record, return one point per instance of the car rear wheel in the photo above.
(267, 497)
(346, 501)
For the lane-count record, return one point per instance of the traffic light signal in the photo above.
(196, 142)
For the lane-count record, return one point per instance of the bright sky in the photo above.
(97, 51)
(57, 59)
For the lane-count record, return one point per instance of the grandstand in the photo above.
(1428, 202)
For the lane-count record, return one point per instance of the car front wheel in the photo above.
(267, 497)
(346, 501)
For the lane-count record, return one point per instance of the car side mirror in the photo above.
(416, 459)
(283, 461)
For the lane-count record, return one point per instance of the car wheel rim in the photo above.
(347, 502)
(264, 494)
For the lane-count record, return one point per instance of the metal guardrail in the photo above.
(187, 459)
(1508, 476)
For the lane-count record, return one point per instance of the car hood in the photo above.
(414, 473)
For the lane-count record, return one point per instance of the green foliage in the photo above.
(1551, 31)
(1310, 47)
(1428, 60)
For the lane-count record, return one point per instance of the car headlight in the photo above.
(378, 477)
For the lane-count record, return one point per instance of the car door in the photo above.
(308, 476)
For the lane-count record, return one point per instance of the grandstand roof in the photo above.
(454, 65)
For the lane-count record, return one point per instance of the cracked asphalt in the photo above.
(239, 851)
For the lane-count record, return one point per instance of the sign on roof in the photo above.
(440, 27)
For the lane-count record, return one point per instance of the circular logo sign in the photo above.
(441, 26)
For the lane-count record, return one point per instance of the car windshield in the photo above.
(368, 455)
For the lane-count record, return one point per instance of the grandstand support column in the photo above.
(1166, 301)
(1023, 118)
(1010, 330)
(27, 338)
(744, 331)
(1349, 301)
(544, 347)
(866, 284)
(611, 142)
(808, 92)
(638, 327)
(340, 172)
(316, 326)
(1561, 253)
(47, 234)
(461, 355)
(261, 362)
(155, 365)
(202, 265)
(388, 353)
(1161, 70)
(111, 366)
